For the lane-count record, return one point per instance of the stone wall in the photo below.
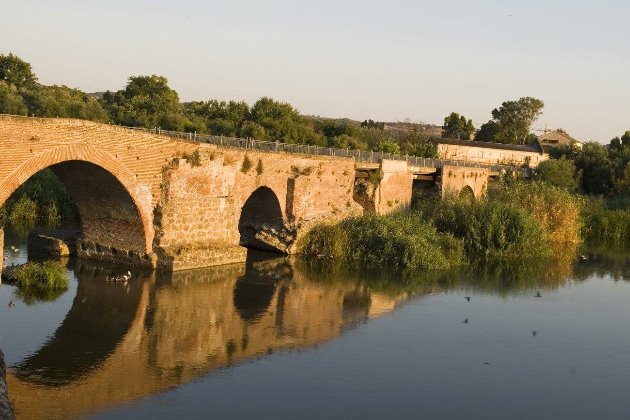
(387, 190)
(202, 205)
(456, 179)
(489, 155)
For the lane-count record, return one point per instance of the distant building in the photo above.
(490, 153)
(556, 138)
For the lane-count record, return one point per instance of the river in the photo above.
(282, 338)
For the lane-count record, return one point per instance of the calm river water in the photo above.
(280, 339)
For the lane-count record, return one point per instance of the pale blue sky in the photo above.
(386, 60)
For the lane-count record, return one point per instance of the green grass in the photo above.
(491, 230)
(402, 240)
(49, 275)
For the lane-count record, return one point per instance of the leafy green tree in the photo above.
(146, 101)
(17, 72)
(512, 121)
(389, 146)
(373, 124)
(596, 168)
(331, 128)
(457, 127)
(279, 119)
(62, 101)
(559, 172)
(10, 100)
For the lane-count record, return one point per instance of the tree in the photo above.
(512, 121)
(14, 71)
(559, 172)
(458, 127)
(146, 101)
(62, 101)
(10, 100)
(389, 146)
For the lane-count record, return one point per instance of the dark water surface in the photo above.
(285, 339)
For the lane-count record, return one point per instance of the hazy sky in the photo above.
(385, 60)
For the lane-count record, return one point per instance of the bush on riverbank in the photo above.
(402, 240)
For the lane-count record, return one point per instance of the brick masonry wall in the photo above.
(456, 178)
(201, 205)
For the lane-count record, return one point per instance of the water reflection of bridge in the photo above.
(119, 344)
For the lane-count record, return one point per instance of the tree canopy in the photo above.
(17, 72)
(512, 121)
(457, 127)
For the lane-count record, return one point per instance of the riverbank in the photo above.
(520, 222)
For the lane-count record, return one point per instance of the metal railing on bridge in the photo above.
(361, 156)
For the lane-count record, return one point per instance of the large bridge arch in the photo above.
(261, 213)
(115, 210)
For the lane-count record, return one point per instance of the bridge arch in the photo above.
(114, 209)
(261, 213)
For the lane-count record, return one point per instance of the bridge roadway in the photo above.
(182, 200)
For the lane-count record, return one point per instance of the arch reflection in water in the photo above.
(119, 344)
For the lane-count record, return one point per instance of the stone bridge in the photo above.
(176, 201)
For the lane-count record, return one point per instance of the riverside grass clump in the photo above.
(402, 240)
(556, 209)
(491, 230)
(49, 275)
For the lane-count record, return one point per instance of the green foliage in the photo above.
(558, 172)
(11, 101)
(389, 146)
(247, 164)
(400, 240)
(40, 282)
(194, 159)
(458, 127)
(146, 101)
(259, 167)
(42, 198)
(373, 124)
(16, 72)
(62, 101)
(490, 229)
(48, 275)
(512, 121)
(605, 225)
(556, 209)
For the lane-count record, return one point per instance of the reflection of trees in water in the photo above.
(500, 279)
(604, 262)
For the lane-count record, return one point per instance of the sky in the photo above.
(385, 60)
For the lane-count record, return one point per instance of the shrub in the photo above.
(259, 167)
(247, 164)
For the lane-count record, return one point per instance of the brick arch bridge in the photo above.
(148, 199)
